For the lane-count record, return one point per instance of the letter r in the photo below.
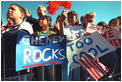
(26, 57)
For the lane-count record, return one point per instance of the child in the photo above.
(113, 22)
(110, 59)
(9, 24)
(72, 32)
(41, 10)
(16, 13)
(103, 24)
(89, 18)
(119, 18)
(45, 23)
(82, 21)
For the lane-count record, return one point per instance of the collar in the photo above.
(72, 27)
(13, 26)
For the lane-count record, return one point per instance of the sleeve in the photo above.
(81, 33)
(25, 26)
(31, 20)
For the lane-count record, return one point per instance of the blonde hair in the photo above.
(93, 14)
(43, 7)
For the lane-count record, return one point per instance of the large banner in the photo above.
(44, 50)
(113, 36)
(94, 43)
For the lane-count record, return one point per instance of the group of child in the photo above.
(42, 26)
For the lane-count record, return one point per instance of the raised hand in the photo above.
(28, 13)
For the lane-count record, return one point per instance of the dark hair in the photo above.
(82, 17)
(21, 9)
(102, 23)
(48, 18)
(75, 14)
(58, 17)
(116, 19)
(119, 17)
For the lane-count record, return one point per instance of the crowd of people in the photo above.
(41, 26)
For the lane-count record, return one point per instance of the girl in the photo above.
(89, 18)
(72, 32)
(114, 22)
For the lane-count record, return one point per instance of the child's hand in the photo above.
(53, 34)
(35, 34)
(87, 34)
(97, 59)
(63, 16)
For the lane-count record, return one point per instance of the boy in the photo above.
(16, 13)
(41, 10)
(45, 23)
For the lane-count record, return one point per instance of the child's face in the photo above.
(41, 11)
(13, 12)
(43, 22)
(89, 19)
(114, 23)
(82, 19)
(72, 19)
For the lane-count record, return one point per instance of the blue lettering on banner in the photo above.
(19, 78)
(82, 54)
(39, 51)
(73, 58)
(80, 44)
(28, 78)
(43, 40)
(15, 79)
(22, 78)
(88, 41)
(95, 54)
(71, 46)
(102, 51)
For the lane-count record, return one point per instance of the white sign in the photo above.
(95, 43)
(113, 36)
(92, 28)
